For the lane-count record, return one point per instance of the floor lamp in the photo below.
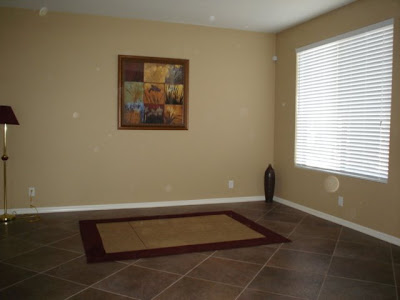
(6, 117)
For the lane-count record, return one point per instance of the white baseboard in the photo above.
(56, 209)
(377, 234)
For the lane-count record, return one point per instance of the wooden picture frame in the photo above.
(152, 93)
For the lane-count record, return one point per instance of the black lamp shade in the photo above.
(7, 115)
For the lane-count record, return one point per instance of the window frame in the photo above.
(325, 42)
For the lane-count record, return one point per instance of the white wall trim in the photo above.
(377, 234)
(56, 209)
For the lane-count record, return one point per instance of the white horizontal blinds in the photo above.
(343, 104)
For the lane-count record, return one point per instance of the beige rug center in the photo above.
(172, 232)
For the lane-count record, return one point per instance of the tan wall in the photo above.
(59, 64)
(370, 204)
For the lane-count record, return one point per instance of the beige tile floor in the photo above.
(45, 260)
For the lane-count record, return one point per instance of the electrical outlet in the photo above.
(340, 200)
(31, 192)
(231, 184)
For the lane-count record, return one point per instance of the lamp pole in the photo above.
(7, 117)
(5, 217)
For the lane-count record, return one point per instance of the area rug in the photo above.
(138, 237)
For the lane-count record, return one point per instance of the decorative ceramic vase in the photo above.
(269, 183)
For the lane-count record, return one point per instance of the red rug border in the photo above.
(95, 252)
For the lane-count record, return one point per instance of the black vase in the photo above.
(269, 183)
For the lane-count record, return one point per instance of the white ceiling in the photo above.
(253, 15)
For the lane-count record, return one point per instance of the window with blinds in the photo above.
(344, 92)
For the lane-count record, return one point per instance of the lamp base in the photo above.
(6, 218)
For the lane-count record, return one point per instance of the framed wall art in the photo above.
(152, 92)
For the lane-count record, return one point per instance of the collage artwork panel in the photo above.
(152, 94)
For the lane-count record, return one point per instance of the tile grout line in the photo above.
(275, 293)
(263, 215)
(41, 272)
(348, 278)
(15, 283)
(361, 280)
(330, 263)
(183, 276)
(20, 267)
(106, 291)
(239, 261)
(394, 274)
(153, 269)
(77, 233)
(19, 235)
(297, 225)
(64, 238)
(259, 271)
(92, 285)
(342, 256)
(295, 270)
(102, 290)
(28, 231)
(37, 273)
(276, 250)
(212, 256)
(280, 246)
(64, 279)
(265, 264)
(22, 253)
(305, 251)
(65, 262)
(40, 246)
(213, 281)
(273, 254)
(73, 251)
